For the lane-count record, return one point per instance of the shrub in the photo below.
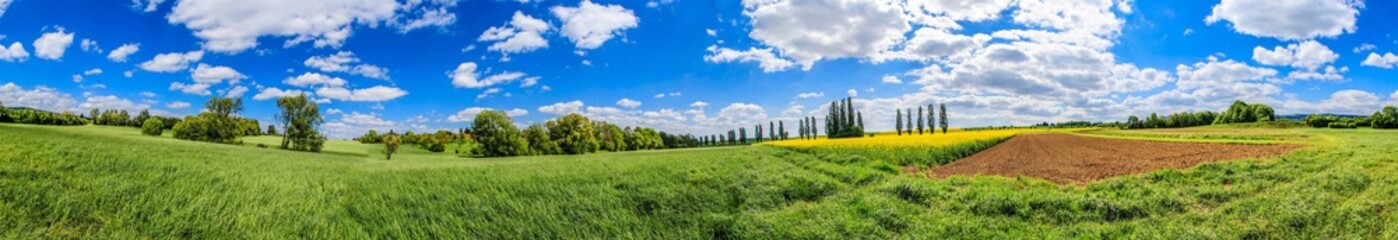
(152, 127)
(1342, 125)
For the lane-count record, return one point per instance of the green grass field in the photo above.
(111, 182)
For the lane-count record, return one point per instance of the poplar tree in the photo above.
(898, 127)
(910, 121)
(943, 115)
(931, 118)
(919, 120)
(771, 131)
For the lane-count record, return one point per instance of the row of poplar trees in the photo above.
(926, 125)
(843, 121)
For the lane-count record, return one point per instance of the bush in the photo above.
(1342, 125)
(1385, 119)
(152, 127)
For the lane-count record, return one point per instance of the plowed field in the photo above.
(1065, 158)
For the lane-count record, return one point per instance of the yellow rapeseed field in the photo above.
(892, 140)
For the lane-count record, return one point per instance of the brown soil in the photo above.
(1065, 158)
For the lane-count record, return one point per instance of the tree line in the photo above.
(929, 124)
(497, 136)
(1238, 112)
(1386, 118)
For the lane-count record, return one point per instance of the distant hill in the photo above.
(1299, 117)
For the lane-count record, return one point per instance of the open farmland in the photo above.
(1067, 158)
(907, 149)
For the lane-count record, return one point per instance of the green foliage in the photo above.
(217, 123)
(497, 134)
(300, 116)
(640, 138)
(539, 141)
(152, 126)
(610, 137)
(1387, 118)
(1176, 120)
(370, 137)
(391, 142)
(574, 134)
(33, 116)
(842, 121)
(1241, 112)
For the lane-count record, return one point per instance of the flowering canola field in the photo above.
(907, 150)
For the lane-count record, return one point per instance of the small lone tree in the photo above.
(898, 127)
(390, 144)
(153, 127)
(272, 130)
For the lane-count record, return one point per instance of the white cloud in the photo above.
(120, 54)
(711, 32)
(177, 105)
(1308, 55)
(272, 92)
(236, 92)
(148, 94)
(14, 53)
(1214, 73)
(128, 74)
(1349, 101)
(808, 31)
(40, 98)
(699, 104)
(523, 34)
(232, 26)
(669, 94)
(112, 102)
(1385, 61)
(590, 25)
(853, 93)
(204, 73)
(628, 103)
(764, 57)
(1365, 47)
(465, 76)
(741, 114)
(487, 93)
(371, 94)
(562, 108)
(314, 79)
(4, 4)
(1329, 73)
(960, 10)
(891, 79)
(52, 45)
(934, 44)
(354, 124)
(94, 71)
(344, 61)
(806, 95)
(146, 5)
(89, 45)
(1302, 19)
(77, 78)
(469, 114)
(172, 62)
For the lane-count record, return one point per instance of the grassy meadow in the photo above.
(114, 183)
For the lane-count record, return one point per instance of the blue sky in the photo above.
(697, 66)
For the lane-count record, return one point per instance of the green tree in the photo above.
(539, 142)
(142, 117)
(300, 116)
(898, 126)
(931, 118)
(272, 129)
(391, 141)
(152, 126)
(943, 115)
(611, 137)
(496, 133)
(574, 134)
(1386, 118)
(919, 120)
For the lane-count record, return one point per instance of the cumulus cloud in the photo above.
(120, 53)
(487, 93)
(465, 76)
(233, 26)
(89, 45)
(94, 71)
(272, 93)
(589, 25)
(4, 4)
(806, 95)
(891, 79)
(14, 53)
(206, 76)
(345, 62)
(628, 103)
(562, 108)
(852, 93)
(177, 105)
(764, 57)
(1348, 101)
(314, 79)
(354, 124)
(371, 94)
(39, 97)
(469, 114)
(699, 104)
(1308, 55)
(1288, 20)
(1385, 61)
(522, 34)
(172, 62)
(808, 31)
(52, 45)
